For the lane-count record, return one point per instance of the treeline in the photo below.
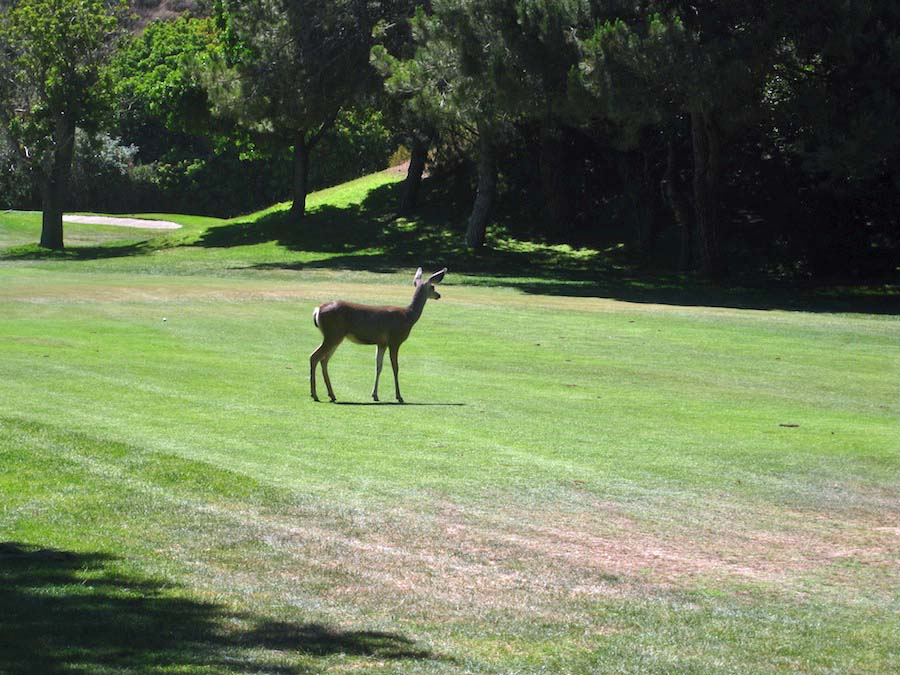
(746, 136)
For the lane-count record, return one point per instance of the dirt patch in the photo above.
(553, 558)
(398, 169)
(142, 223)
(546, 561)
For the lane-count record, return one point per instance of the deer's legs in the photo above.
(321, 355)
(394, 352)
(379, 360)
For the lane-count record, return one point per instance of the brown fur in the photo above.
(385, 327)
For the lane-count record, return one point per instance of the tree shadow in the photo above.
(365, 237)
(369, 237)
(99, 252)
(687, 292)
(65, 611)
(397, 403)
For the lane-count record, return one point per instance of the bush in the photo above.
(16, 190)
(101, 179)
(358, 144)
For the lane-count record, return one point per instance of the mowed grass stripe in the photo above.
(190, 531)
(246, 358)
(244, 551)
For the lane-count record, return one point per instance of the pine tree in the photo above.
(291, 67)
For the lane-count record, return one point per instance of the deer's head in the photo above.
(428, 284)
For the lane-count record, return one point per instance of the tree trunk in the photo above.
(487, 187)
(51, 217)
(413, 183)
(640, 191)
(301, 176)
(706, 142)
(55, 184)
(558, 200)
(649, 207)
(673, 195)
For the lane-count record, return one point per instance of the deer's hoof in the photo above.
(374, 398)
(314, 398)
(399, 400)
(333, 399)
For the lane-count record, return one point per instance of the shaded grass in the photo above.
(75, 611)
(351, 230)
(360, 233)
(83, 607)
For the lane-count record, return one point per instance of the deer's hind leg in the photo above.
(321, 355)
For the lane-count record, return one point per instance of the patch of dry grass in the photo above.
(439, 558)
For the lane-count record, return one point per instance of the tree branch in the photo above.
(326, 125)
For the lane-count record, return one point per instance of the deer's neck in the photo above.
(414, 311)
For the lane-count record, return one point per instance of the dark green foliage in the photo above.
(53, 58)
(713, 138)
(16, 188)
(289, 69)
(836, 107)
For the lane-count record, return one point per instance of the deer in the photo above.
(385, 327)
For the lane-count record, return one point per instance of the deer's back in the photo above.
(364, 324)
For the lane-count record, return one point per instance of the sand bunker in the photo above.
(142, 223)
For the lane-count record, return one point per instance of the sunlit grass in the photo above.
(579, 483)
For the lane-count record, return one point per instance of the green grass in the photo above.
(596, 470)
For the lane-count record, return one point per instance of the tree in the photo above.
(291, 67)
(706, 60)
(835, 101)
(447, 82)
(538, 38)
(394, 38)
(160, 90)
(53, 55)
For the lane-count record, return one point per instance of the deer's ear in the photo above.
(418, 276)
(437, 277)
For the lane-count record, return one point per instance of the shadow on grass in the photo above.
(397, 403)
(365, 237)
(692, 293)
(65, 612)
(34, 252)
(361, 236)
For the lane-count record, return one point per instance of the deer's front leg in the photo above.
(394, 352)
(379, 360)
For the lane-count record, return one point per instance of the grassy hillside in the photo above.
(595, 470)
